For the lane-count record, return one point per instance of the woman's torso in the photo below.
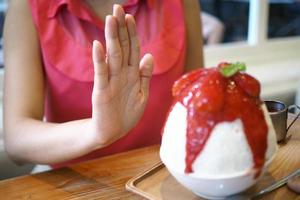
(66, 29)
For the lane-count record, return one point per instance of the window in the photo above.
(284, 18)
(233, 15)
(253, 20)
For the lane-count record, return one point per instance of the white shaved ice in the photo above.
(226, 152)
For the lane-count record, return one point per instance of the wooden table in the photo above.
(105, 178)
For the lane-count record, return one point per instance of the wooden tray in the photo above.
(158, 184)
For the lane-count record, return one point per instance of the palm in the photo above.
(121, 82)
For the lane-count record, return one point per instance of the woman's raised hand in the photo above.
(121, 81)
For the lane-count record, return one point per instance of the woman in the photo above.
(49, 74)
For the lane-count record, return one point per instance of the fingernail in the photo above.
(95, 42)
(115, 6)
(130, 16)
(107, 17)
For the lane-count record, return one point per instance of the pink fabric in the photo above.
(66, 29)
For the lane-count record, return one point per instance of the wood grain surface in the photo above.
(105, 178)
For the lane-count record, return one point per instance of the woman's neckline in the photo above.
(100, 9)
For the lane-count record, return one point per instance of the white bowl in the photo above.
(219, 187)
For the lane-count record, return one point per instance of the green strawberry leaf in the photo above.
(232, 68)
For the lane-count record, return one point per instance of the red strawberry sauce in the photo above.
(211, 98)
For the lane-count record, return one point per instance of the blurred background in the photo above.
(3, 7)
(265, 34)
(233, 15)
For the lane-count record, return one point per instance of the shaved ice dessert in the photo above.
(217, 129)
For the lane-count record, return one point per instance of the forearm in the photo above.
(29, 140)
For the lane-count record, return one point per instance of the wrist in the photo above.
(100, 137)
(91, 135)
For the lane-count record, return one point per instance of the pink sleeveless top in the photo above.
(66, 29)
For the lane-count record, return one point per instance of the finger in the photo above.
(114, 52)
(100, 66)
(146, 68)
(134, 55)
(119, 13)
